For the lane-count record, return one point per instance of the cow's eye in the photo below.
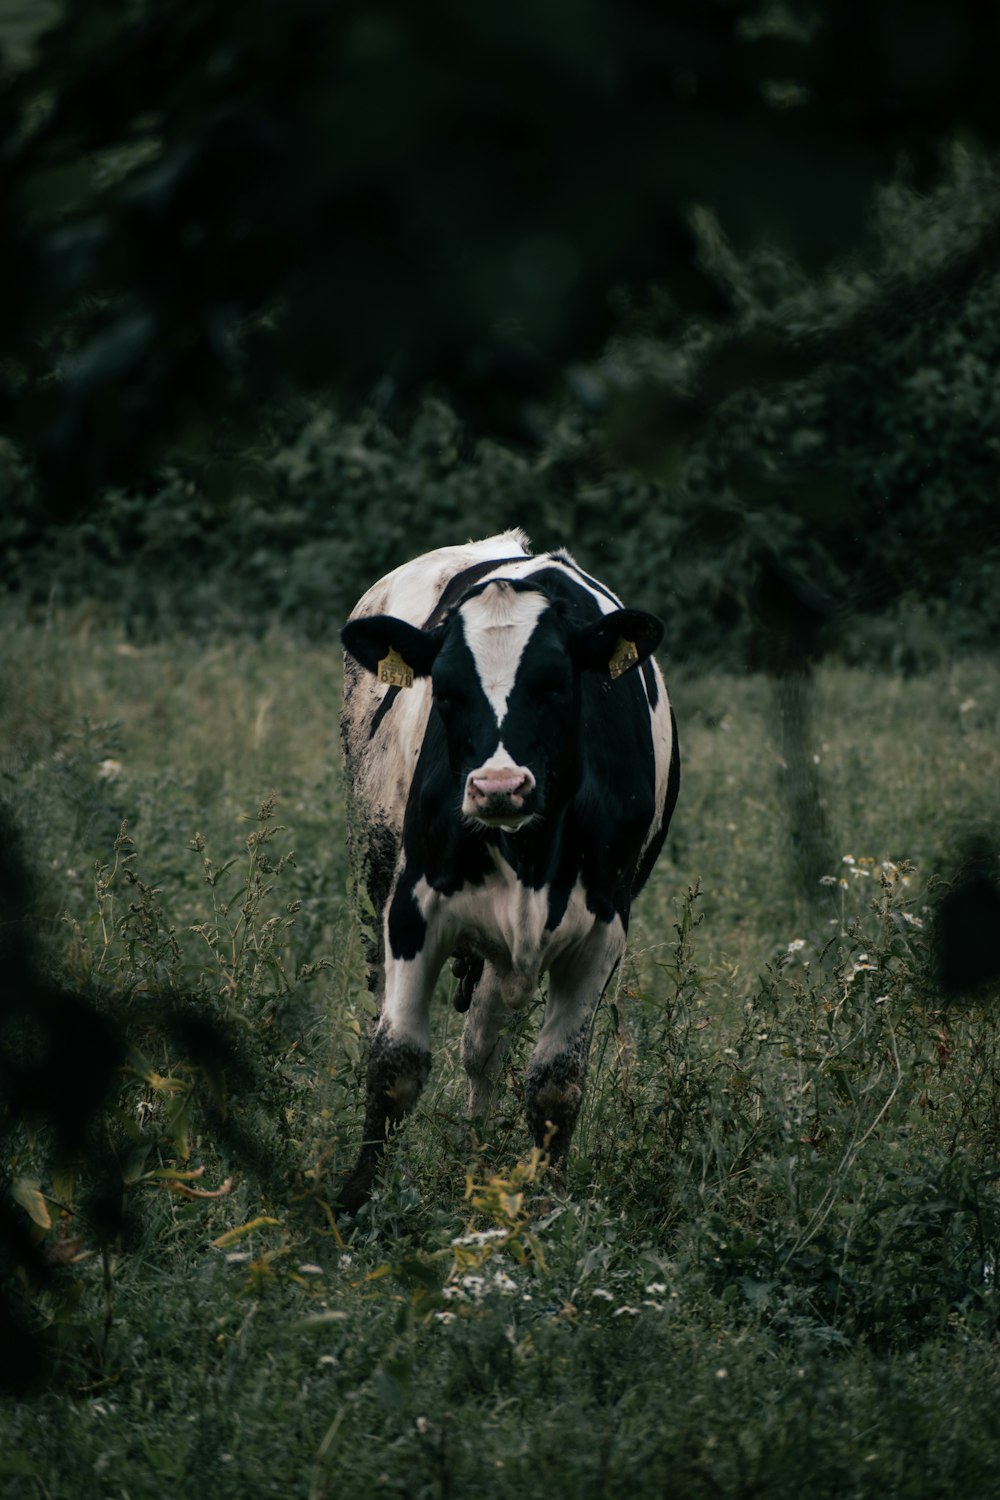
(447, 699)
(552, 690)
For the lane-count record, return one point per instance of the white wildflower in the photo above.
(480, 1237)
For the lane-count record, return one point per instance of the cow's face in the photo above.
(507, 693)
(505, 671)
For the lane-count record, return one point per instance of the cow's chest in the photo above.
(506, 922)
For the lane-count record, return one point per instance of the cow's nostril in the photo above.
(492, 786)
(490, 782)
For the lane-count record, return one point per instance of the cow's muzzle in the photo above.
(499, 796)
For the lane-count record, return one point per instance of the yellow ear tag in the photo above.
(625, 656)
(393, 671)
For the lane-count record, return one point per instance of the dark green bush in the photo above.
(819, 473)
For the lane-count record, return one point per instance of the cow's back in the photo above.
(412, 591)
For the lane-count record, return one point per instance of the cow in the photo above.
(512, 767)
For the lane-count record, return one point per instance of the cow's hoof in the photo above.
(355, 1193)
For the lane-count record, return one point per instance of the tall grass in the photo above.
(774, 1265)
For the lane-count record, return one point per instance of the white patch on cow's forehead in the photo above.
(498, 625)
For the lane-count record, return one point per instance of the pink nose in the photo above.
(497, 792)
(501, 783)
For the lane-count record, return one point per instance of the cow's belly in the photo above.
(504, 922)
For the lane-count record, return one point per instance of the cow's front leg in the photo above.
(557, 1069)
(399, 1061)
(485, 1039)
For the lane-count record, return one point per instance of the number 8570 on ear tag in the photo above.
(393, 671)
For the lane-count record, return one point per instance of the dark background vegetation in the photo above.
(708, 292)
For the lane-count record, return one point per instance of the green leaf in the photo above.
(26, 1192)
(232, 1235)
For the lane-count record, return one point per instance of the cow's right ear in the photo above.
(393, 650)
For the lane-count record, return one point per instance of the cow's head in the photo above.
(505, 668)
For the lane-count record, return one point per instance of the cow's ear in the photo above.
(618, 642)
(393, 650)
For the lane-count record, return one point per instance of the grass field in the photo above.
(773, 1270)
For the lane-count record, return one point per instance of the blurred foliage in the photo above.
(849, 501)
(117, 1067)
(206, 207)
(857, 472)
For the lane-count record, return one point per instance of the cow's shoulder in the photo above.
(560, 578)
(574, 582)
(413, 590)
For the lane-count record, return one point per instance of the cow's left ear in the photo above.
(393, 650)
(618, 642)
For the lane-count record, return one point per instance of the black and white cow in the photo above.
(512, 766)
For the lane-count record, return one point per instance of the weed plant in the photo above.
(773, 1263)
